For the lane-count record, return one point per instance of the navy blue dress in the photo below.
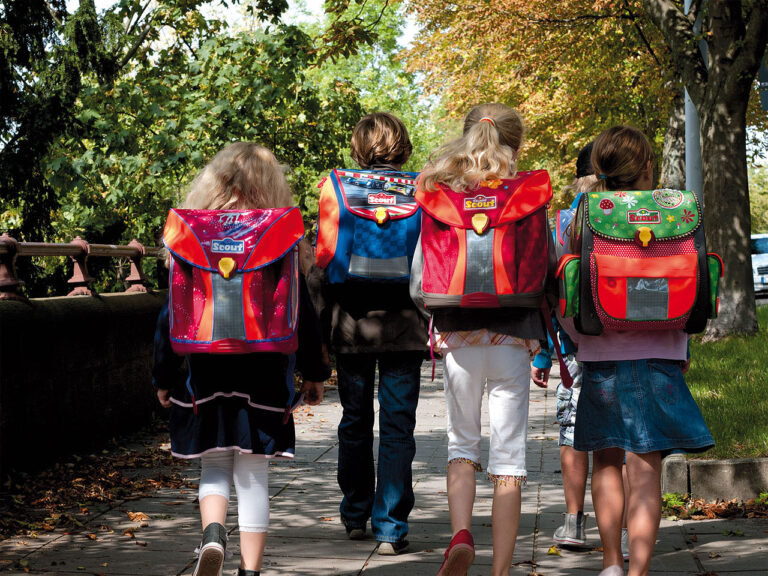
(241, 401)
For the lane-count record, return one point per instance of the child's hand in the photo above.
(313, 392)
(540, 376)
(164, 397)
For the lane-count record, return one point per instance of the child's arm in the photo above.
(165, 369)
(311, 357)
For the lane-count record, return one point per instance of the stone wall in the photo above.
(74, 373)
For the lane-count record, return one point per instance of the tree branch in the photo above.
(136, 45)
(53, 13)
(747, 60)
(677, 30)
(642, 34)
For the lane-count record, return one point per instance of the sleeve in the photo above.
(166, 367)
(543, 359)
(309, 357)
(322, 300)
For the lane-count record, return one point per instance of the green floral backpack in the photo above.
(638, 261)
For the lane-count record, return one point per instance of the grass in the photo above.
(729, 380)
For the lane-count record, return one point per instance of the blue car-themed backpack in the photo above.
(368, 227)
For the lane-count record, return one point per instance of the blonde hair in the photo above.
(487, 150)
(579, 185)
(380, 138)
(243, 175)
(619, 157)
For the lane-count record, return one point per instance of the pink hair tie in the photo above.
(487, 119)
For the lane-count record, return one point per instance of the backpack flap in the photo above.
(487, 247)
(643, 217)
(234, 279)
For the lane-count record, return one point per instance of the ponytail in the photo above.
(487, 150)
(619, 157)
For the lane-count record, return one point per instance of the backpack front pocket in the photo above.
(568, 272)
(646, 289)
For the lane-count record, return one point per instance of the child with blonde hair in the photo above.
(484, 348)
(232, 410)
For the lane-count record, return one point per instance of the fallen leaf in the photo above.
(326, 519)
(714, 555)
(137, 516)
(553, 551)
(91, 536)
(695, 538)
(140, 543)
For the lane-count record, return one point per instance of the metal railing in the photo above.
(79, 251)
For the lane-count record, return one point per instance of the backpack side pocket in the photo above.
(715, 268)
(568, 272)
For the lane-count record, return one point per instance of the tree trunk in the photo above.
(726, 212)
(673, 152)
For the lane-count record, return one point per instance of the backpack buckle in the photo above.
(644, 236)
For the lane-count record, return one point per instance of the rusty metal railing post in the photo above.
(80, 280)
(9, 283)
(137, 282)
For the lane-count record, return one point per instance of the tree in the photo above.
(573, 68)
(720, 85)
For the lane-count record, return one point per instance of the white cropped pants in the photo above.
(505, 372)
(249, 474)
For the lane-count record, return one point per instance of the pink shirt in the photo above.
(624, 345)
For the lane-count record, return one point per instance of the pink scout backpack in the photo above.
(486, 248)
(234, 280)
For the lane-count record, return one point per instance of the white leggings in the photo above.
(249, 473)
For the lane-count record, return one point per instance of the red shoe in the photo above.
(459, 555)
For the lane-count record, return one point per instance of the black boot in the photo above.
(244, 572)
(211, 558)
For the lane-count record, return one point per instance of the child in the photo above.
(574, 464)
(634, 398)
(229, 411)
(370, 323)
(483, 349)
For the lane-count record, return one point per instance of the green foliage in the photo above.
(758, 197)
(672, 500)
(729, 381)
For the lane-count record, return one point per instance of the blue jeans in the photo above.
(389, 501)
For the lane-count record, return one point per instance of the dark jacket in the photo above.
(367, 317)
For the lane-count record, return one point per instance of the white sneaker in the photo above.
(613, 571)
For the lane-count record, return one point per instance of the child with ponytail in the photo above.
(483, 348)
(634, 400)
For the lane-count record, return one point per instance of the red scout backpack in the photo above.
(234, 280)
(639, 262)
(486, 248)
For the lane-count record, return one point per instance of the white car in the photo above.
(759, 251)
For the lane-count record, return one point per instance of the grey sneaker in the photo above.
(573, 531)
(356, 533)
(625, 543)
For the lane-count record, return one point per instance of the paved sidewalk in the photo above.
(307, 538)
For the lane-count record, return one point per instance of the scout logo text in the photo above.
(227, 246)
(381, 198)
(643, 216)
(480, 202)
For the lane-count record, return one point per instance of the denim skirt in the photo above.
(640, 406)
